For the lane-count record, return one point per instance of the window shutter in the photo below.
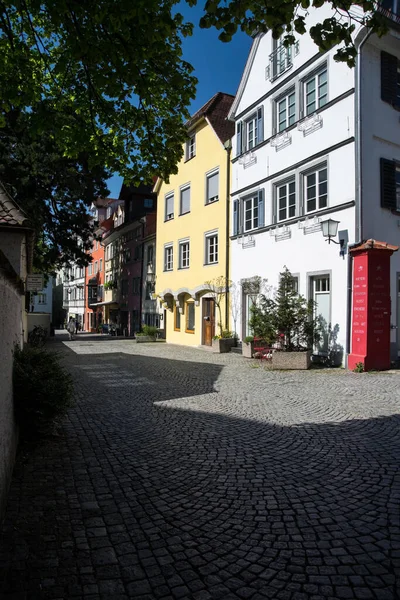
(260, 125)
(388, 78)
(212, 187)
(239, 138)
(235, 217)
(388, 184)
(261, 209)
(185, 200)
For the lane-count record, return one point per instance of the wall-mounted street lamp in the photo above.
(329, 231)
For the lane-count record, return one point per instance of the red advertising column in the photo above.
(370, 333)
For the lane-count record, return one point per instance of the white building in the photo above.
(42, 302)
(312, 138)
(74, 293)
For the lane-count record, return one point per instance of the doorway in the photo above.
(321, 295)
(208, 321)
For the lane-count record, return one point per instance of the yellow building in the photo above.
(192, 265)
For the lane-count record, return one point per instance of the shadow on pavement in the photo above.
(142, 499)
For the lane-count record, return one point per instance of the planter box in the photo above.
(291, 360)
(223, 345)
(247, 349)
(145, 338)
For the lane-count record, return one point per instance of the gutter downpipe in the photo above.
(358, 207)
(228, 148)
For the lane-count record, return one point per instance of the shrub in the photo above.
(149, 330)
(226, 334)
(43, 391)
(249, 338)
(359, 368)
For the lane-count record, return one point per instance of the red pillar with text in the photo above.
(370, 332)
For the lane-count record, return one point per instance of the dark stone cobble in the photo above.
(181, 474)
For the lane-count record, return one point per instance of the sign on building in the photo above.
(34, 283)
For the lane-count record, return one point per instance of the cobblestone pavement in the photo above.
(184, 474)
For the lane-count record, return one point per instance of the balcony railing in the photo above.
(280, 61)
(390, 9)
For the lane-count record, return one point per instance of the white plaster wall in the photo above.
(257, 85)
(303, 255)
(380, 124)
(10, 333)
(13, 244)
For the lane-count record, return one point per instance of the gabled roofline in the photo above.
(245, 76)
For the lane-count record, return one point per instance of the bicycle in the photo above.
(37, 337)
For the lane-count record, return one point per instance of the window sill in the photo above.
(167, 270)
(185, 213)
(183, 268)
(210, 203)
(175, 329)
(189, 331)
(210, 264)
(168, 220)
(190, 158)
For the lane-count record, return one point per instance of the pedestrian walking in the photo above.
(71, 328)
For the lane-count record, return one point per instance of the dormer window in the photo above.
(109, 212)
(191, 147)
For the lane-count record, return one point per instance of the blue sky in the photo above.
(218, 66)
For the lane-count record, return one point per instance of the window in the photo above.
(250, 133)
(286, 200)
(100, 264)
(185, 200)
(250, 206)
(212, 187)
(109, 212)
(177, 324)
(150, 255)
(316, 189)
(281, 58)
(390, 184)
(191, 147)
(149, 290)
(248, 212)
(168, 258)
(316, 91)
(211, 248)
(136, 286)
(390, 78)
(295, 283)
(148, 203)
(190, 317)
(42, 298)
(322, 284)
(124, 287)
(90, 269)
(137, 254)
(169, 207)
(286, 111)
(184, 252)
(96, 267)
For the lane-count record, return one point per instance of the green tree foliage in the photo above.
(288, 319)
(287, 17)
(88, 88)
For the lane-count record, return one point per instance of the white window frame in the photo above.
(208, 176)
(169, 216)
(184, 254)
(287, 120)
(100, 265)
(286, 183)
(304, 175)
(90, 268)
(209, 236)
(191, 147)
(168, 259)
(314, 76)
(247, 122)
(254, 199)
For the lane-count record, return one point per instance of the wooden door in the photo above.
(208, 321)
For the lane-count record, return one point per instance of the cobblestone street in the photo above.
(185, 474)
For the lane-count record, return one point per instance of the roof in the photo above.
(103, 202)
(216, 111)
(10, 212)
(374, 244)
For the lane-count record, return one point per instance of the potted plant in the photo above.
(148, 334)
(288, 323)
(248, 346)
(224, 342)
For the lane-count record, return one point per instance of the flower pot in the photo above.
(247, 349)
(145, 338)
(291, 360)
(223, 345)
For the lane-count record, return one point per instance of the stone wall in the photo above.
(11, 326)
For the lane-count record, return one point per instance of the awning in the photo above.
(109, 303)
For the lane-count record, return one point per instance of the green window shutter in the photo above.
(388, 184)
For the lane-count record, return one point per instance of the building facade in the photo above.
(310, 135)
(192, 238)
(42, 302)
